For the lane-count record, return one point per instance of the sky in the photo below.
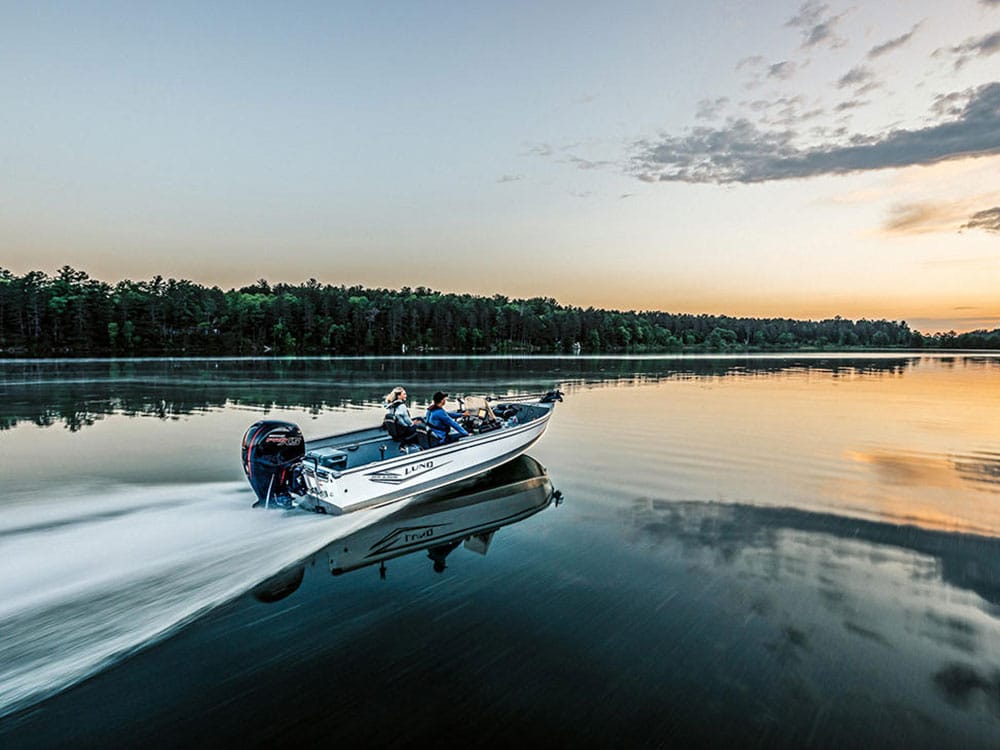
(742, 158)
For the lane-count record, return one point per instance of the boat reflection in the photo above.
(466, 514)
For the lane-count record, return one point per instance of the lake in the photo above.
(768, 551)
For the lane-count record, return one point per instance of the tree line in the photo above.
(71, 314)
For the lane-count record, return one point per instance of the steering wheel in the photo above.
(471, 423)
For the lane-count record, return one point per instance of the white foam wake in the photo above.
(90, 578)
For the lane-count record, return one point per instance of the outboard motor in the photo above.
(272, 454)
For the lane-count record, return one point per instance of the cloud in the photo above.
(991, 3)
(753, 62)
(582, 163)
(924, 218)
(510, 178)
(950, 105)
(988, 220)
(808, 15)
(741, 152)
(781, 70)
(851, 104)
(859, 76)
(785, 111)
(938, 216)
(538, 149)
(862, 77)
(816, 24)
(709, 109)
(880, 49)
(973, 47)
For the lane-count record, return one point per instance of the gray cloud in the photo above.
(921, 218)
(538, 149)
(860, 76)
(816, 24)
(741, 152)
(709, 109)
(821, 131)
(808, 16)
(763, 105)
(785, 110)
(582, 163)
(991, 3)
(781, 70)
(752, 62)
(510, 178)
(851, 104)
(973, 47)
(988, 220)
(880, 49)
(950, 105)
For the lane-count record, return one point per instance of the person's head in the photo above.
(439, 398)
(396, 394)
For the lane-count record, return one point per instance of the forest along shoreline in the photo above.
(72, 315)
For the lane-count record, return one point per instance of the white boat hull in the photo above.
(402, 476)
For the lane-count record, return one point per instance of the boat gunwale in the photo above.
(441, 450)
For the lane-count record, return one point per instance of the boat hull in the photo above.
(402, 477)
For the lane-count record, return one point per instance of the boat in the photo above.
(466, 514)
(375, 466)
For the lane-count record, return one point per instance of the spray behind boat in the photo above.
(272, 457)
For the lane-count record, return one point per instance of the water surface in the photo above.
(774, 551)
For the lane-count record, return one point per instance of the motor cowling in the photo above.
(272, 454)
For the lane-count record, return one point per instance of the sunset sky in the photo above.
(745, 158)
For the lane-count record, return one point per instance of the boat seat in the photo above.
(329, 458)
(423, 438)
(399, 433)
(392, 427)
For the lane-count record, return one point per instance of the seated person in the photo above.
(441, 422)
(395, 407)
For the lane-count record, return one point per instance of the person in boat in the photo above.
(395, 407)
(440, 423)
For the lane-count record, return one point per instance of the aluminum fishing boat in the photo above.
(375, 466)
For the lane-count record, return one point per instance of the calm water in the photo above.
(773, 552)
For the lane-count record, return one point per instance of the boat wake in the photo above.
(91, 578)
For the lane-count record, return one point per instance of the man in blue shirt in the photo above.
(441, 423)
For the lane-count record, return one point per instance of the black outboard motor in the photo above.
(272, 454)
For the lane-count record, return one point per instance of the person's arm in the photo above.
(461, 430)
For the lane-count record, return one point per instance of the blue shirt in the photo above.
(441, 423)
